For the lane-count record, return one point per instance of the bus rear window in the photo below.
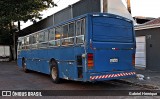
(112, 31)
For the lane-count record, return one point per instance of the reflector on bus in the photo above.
(90, 60)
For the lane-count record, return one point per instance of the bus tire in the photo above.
(24, 66)
(54, 72)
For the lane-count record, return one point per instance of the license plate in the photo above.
(113, 60)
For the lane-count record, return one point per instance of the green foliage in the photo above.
(19, 10)
(5, 37)
(22, 10)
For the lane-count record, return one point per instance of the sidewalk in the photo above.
(151, 79)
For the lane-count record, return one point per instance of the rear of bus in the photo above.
(111, 47)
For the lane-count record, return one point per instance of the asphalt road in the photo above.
(13, 78)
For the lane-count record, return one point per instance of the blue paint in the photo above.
(103, 32)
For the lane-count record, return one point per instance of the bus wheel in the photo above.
(24, 66)
(54, 72)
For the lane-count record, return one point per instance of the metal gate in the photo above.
(4, 53)
(141, 52)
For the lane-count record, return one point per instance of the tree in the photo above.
(21, 10)
(5, 36)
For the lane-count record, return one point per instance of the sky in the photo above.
(146, 8)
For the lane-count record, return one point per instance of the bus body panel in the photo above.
(103, 60)
(72, 59)
(38, 60)
(112, 43)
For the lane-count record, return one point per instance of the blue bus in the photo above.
(91, 47)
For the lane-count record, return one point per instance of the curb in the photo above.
(146, 86)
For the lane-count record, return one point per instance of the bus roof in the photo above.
(82, 16)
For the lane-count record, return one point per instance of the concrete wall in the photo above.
(152, 47)
(37, 26)
(86, 6)
(77, 9)
(63, 15)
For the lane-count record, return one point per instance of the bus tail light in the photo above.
(90, 60)
(133, 59)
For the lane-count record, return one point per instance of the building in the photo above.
(148, 38)
(77, 9)
(147, 35)
(142, 20)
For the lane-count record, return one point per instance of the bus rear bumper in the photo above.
(111, 75)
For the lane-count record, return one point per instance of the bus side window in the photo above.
(20, 44)
(71, 33)
(43, 39)
(68, 34)
(30, 40)
(65, 35)
(52, 37)
(58, 32)
(35, 40)
(27, 43)
(23, 43)
(80, 31)
(83, 27)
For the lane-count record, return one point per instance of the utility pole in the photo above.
(104, 6)
(129, 6)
